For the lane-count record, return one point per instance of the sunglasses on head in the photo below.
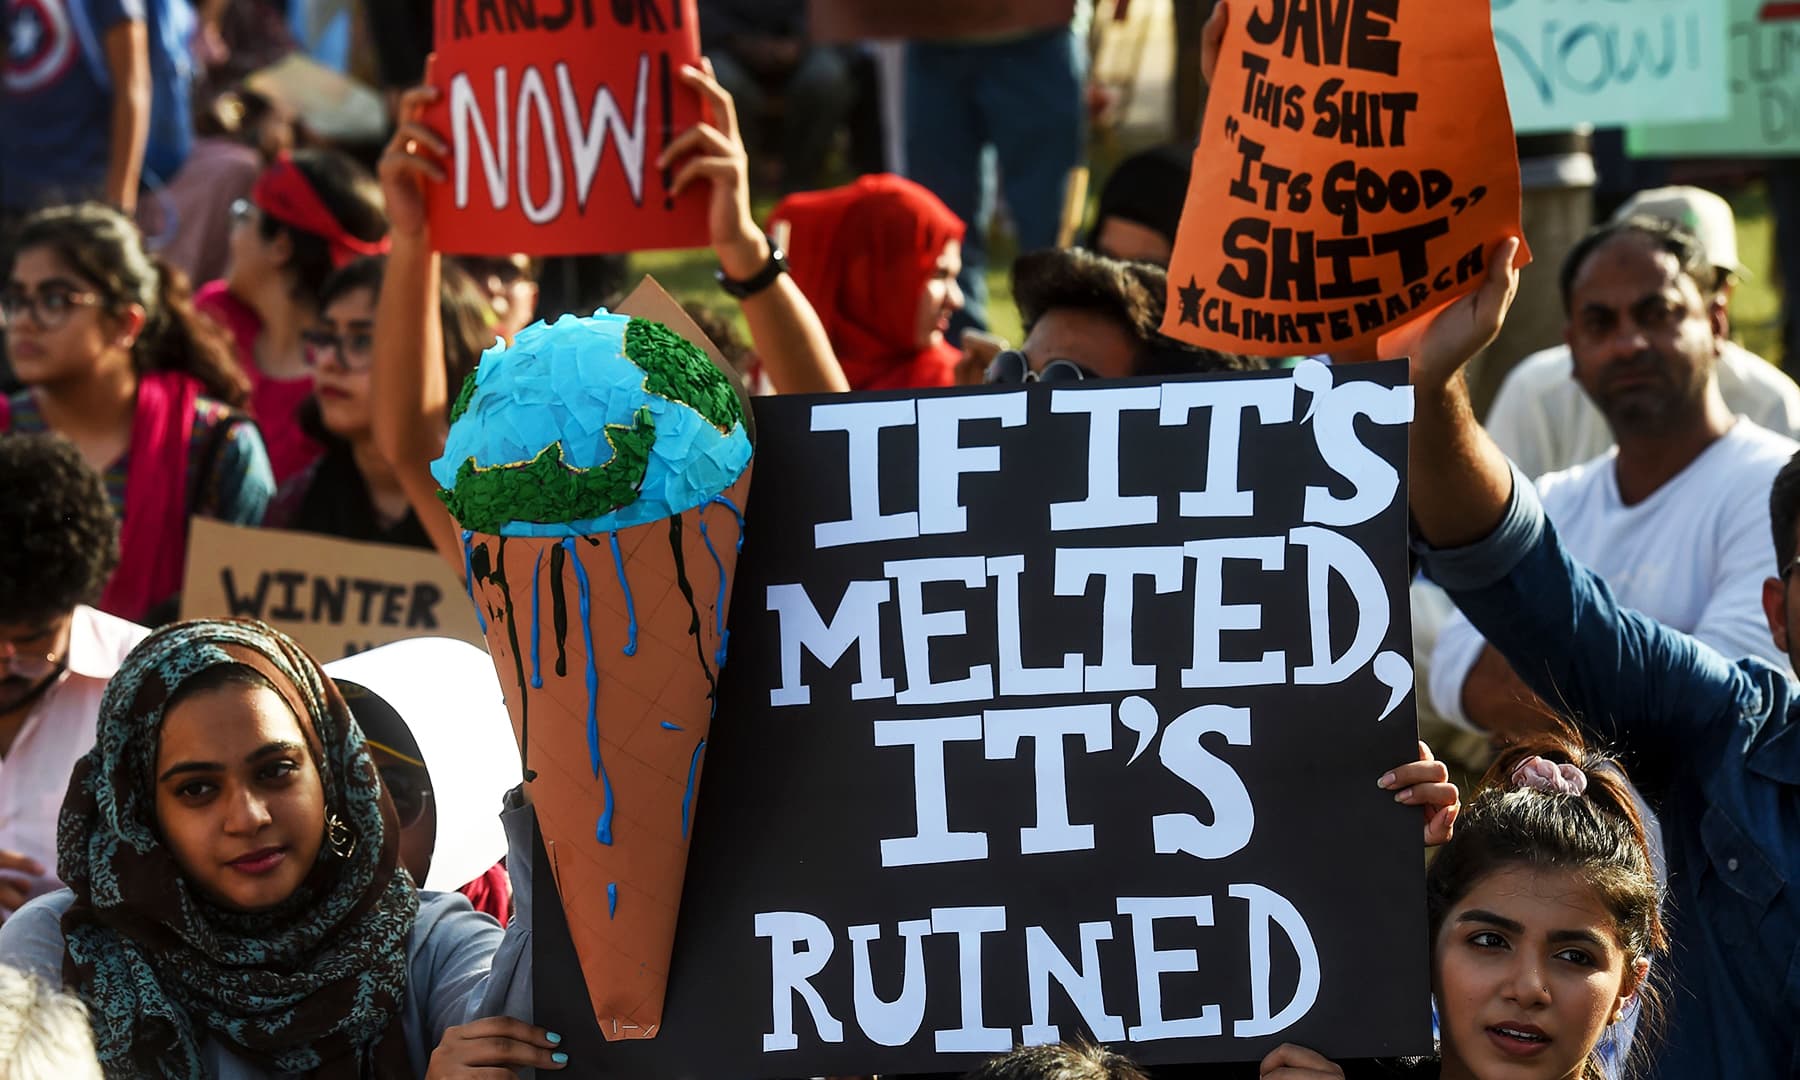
(407, 787)
(1011, 366)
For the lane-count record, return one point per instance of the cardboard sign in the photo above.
(555, 119)
(933, 20)
(1765, 93)
(1355, 168)
(1609, 64)
(335, 597)
(1027, 735)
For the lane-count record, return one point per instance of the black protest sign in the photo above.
(1053, 712)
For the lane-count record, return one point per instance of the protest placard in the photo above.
(1050, 712)
(1765, 93)
(1355, 168)
(1611, 63)
(335, 597)
(555, 117)
(933, 20)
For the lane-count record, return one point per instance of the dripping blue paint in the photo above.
(724, 585)
(537, 678)
(667, 726)
(603, 830)
(687, 797)
(612, 899)
(625, 587)
(469, 576)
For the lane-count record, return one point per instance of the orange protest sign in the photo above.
(1356, 166)
(555, 116)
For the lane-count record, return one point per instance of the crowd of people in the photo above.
(222, 858)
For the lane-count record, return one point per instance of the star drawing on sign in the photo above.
(1190, 302)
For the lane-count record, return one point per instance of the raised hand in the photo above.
(715, 152)
(414, 156)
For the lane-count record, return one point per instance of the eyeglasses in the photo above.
(49, 309)
(406, 786)
(353, 352)
(1011, 366)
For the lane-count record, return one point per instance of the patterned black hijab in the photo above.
(315, 985)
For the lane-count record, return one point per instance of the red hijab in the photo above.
(863, 254)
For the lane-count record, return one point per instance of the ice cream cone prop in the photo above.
(599, 467)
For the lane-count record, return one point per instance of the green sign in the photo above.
(1765, 93)
(1611, 63)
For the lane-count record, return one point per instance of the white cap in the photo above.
(1697, 210)
(448, 694)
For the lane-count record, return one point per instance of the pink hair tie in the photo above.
(1549, 777)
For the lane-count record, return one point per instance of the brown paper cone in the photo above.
(652, 710)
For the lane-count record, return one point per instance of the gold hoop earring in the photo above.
(339, 836)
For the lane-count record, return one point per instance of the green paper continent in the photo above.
(676, 369)
(461, 404)
(545, 489)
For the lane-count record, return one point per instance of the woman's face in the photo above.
(238, 797)
(255, 259)
(340, 349)
(56, 329)
(1528, 972)
(941, 299)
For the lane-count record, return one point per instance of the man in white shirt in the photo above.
(56, 653)
(1544, 421)
(1676, 517)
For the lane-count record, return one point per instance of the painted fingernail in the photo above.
(1404, 796)
(1386, 781)
(560, 1058)
(553, 1037)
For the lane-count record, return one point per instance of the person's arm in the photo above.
(411, 398)
(127, 46)
(784, 328)
(242, 482)
(1496, 700)
(1657, 693)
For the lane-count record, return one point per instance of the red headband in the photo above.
(283, 193)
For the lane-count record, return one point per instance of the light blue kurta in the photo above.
(460, 964)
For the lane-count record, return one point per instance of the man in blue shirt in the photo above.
(1714, 745)
(75, 102)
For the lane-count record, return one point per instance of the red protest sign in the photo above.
(1356, 165)
(555, 114)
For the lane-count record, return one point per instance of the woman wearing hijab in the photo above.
(235, 908)
(878, 259)
(435, 720)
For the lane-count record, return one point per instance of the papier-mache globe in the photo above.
(589, 425)
(598, 466)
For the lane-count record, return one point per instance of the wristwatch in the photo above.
(757, 282)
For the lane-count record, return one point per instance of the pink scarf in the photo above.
(153, 541)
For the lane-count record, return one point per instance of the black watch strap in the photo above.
(762, 279)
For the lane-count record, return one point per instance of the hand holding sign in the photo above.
(715, 152)
(414, 156)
